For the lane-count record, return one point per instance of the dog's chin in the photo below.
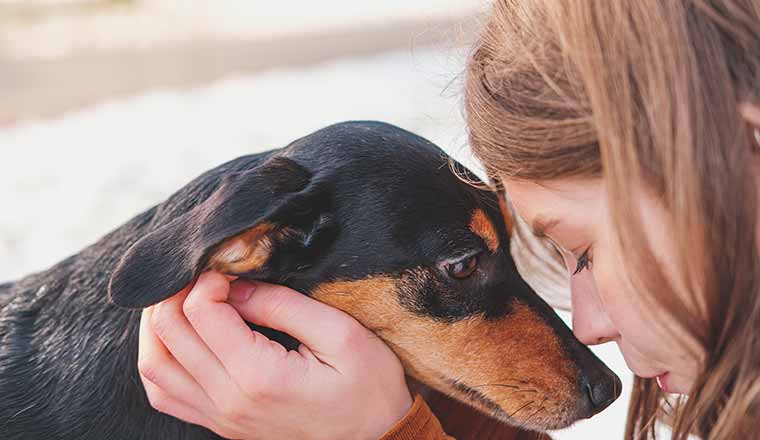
(530, 416)
(542, 423)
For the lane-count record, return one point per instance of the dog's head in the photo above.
(370, 219)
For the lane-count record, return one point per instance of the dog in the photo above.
(363, 216)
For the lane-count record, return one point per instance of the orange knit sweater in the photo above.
(418, 424)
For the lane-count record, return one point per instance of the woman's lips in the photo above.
(662, 381)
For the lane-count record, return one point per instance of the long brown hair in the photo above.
(644, 93)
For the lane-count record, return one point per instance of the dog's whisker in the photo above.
(495, 385)
(525, 422)
(522, 408)
(540, 408)
(510, 379)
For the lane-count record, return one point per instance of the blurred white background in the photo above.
(114, 104)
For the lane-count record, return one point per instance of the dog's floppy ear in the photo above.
(235, 230)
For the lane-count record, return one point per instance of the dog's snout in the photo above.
(599, 388)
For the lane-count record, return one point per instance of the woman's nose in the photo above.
(591, 324)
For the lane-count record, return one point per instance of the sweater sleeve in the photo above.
(418, 424)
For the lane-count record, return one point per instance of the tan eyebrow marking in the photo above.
(482, 226)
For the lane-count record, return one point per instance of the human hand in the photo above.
(200, 362)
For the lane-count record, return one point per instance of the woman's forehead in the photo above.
(544, 204)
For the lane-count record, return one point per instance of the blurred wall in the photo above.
(58, 55)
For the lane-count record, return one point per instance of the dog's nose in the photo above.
(599, 389)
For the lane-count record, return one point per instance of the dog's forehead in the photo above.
(431, 218)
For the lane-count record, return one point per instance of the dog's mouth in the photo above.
(479, 399)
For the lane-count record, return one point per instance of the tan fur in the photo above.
(244, 252)
(481, 225)
(520, 350)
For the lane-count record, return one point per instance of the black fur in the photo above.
(5, 293)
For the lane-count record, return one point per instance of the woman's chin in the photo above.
(673, 383)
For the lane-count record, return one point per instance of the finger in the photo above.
(157, 365)
(165, 403)
(169, 323)
(294, 313)
(232, 341)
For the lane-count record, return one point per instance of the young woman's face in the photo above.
(575, 216)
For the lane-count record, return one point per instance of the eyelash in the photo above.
(584, 261)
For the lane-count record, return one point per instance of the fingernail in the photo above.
(241, 291)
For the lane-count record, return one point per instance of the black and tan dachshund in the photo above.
(363, 216)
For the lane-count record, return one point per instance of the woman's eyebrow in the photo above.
(542, 225)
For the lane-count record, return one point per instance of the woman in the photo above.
(627, 134)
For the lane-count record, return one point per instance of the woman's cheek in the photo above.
(643, 340)
(622, 303)
(616, 299)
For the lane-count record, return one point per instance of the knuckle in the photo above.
(149, 369)
(192, 309)
(256, 389)
(278, 305)
(264, 387)
(161, 319)
(232, 411)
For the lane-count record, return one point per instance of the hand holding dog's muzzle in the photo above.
(200, 362)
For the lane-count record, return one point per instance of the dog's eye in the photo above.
(463, 268)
